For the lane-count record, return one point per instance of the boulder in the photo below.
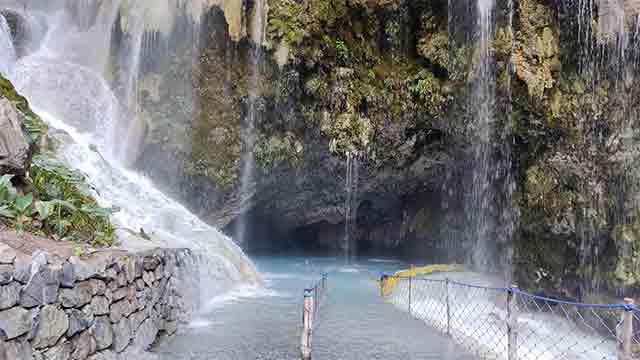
(121, 309)
(61, 351)
(146, 334)
(22, 272)
(68, 276)
(95, 266)
(104, 355)
(148, 278)
(7, 254)
(18, 350)
(77, 296)
(79, 320)
(52, 324)
(16, 148)
(122, 335)
(15, 322)
(83, 346)
(103, 332)
(100, 305)
(6, 274)
(120, 293)
(98, 287)
(127, 265)
(9, 295)
(42, 287)
(151, 262)
(137, 318)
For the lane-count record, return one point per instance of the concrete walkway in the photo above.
(355, 323)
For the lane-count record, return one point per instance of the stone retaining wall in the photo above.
(98, 307)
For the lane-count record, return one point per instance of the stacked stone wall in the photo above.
(103, 306)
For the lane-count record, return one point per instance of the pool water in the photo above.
(265, 323)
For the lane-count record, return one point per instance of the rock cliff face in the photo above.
(388, 82)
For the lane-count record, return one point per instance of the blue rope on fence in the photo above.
(502, 289)
(620, 306)
(509, 323)
(626, 307)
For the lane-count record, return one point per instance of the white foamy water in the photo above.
(83, 111)
(478, 322)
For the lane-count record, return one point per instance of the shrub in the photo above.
(63, 207)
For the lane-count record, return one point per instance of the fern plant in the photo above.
(65, 206)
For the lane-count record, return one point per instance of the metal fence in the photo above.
(507, 323)
(313, 299)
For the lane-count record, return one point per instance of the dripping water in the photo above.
(247, 181)
(350, 213)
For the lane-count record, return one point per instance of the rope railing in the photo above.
(508, 323)
(313, 298)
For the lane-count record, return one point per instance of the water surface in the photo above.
(264, 323)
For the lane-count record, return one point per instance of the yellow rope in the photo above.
(388, 285)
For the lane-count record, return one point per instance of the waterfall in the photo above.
(483, 99)
(247, 181)
(7, 50)
(609, 192)
(68, 88)
(350, 206)
(130, 127)
(491, 216)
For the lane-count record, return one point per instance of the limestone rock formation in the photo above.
(16, 147)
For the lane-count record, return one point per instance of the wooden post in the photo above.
(512, 324)
(410, 286)
(625, 332)
(383, 283)
(446, 282)
(307, 324)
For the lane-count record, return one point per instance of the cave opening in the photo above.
(407, 228)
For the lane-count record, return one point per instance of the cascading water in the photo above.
(247, 181)
(7, 50)
(483, 102)
(350, 212)
(131, 126)
(491, 214)
(77, 100)
(603, 64)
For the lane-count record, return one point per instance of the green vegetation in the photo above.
(269, 152)
(52, 200)
(288, 25)
(59, 205)
(342, 51)
(65, 206)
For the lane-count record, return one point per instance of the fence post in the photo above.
(410, 286)
(625, 336)
(307, 323)
(383, 283)
(512, 324)
(448, 307)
